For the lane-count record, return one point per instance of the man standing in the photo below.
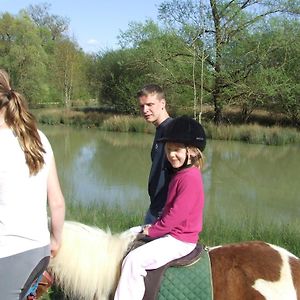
(153, 108)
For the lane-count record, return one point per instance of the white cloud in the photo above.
(93, 42)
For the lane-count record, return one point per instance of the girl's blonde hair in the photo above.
(22, 122)
(197, 157)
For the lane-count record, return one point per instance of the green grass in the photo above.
(216, 229)
(253, 134)
(114, 218)
(127, 124)
(70, 117)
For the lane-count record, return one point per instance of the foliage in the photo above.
(22, 55)
(172, 62)
(219, 53)
(226, 30)
(44, 64)
(41, 16)
(216, 53)
(120, 78)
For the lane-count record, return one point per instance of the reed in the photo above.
(250, 133)
(70, 117)
(253, 134)
(127, 124)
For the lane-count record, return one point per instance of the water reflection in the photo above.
(239, 179)
(96, 166)
(252, 179)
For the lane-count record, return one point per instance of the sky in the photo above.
(94, 24)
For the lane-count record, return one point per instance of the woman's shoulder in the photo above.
(45, 141)
(42, 135)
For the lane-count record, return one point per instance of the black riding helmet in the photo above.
(185, 130)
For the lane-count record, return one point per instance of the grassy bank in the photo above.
(251, 133)
(216, 230)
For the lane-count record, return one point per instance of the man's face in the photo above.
(152, 109)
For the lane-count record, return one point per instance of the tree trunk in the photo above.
(217, 66)
(217, 108)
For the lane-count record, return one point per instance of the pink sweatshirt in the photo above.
(182, 214)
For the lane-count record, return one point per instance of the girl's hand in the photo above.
(146, 229)
(54, 246)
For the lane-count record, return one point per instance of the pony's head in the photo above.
(88, 263)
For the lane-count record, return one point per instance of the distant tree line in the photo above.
(221, 53)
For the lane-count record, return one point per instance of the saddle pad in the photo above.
(154, 277)
(188, 283)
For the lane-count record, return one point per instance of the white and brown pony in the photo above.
(88, 267)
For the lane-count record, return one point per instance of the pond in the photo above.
(109, 167)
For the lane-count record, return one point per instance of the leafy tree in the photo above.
(40, 14)
(165, 53)
(23, 56)
(67, 75)
(120, 79)
(45, 65)
(221, 25)
(66, 69)
(281, 66)
(93, 75)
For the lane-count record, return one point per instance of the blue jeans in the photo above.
(149, 218)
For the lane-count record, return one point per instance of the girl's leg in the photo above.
(149, 256)
(16, 269)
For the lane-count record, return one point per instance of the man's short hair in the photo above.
(150, 89)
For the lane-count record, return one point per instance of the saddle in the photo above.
(154, 277)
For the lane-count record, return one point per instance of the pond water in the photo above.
(240, 179)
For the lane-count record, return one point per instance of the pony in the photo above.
(88, 266)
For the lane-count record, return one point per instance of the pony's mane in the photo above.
(88, 262)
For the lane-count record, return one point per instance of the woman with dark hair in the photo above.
(28, 181)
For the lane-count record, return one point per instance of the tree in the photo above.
(273, 80)
(66, 68)
(45, 65)
(23, 56)
(120, 79)
(281, 67)
(171, 62)
(41, 16)
(225, 24)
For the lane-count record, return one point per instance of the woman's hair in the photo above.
(22, 122)
(197, 158)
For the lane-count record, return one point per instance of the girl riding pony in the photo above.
(176, 232)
